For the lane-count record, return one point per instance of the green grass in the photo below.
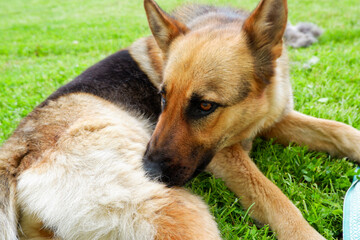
(44, 44)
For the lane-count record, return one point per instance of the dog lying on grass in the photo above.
(73, 168)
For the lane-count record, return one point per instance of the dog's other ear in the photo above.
(163, 27)
(266, 25)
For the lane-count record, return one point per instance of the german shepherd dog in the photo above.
(73, 167)
(78, 167)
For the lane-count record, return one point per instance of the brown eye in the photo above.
(205, 106)
(200, 108)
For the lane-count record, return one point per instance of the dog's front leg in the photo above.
(271, 206)
(333, 137)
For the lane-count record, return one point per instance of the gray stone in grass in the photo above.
(302, 34)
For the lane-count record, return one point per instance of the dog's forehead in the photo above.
(211, 64)
(209, 49)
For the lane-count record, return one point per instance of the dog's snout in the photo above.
(155, 164)
(165, 164)
(152, 169)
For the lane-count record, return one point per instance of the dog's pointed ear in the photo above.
(163, 27)
(266, 25)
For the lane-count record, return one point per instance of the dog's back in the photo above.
(89, 171)
(89, 183)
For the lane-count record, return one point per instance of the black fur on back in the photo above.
(119, 80)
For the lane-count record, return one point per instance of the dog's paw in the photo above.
(301, 231)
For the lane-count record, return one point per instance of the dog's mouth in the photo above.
(171, 176)
(174, 174)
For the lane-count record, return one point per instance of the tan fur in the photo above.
(319, 134)
(32, 228)
(184, 213)
(82, 178)
(11, 153)
(216, 58)
(149, 58)
(164, 27)
(63, 191)
(266, 202)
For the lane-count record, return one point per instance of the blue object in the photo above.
(351, 220)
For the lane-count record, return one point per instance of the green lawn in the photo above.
(44, 44)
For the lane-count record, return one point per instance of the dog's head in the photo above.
(213, 90)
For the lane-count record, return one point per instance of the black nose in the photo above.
(152, 169)
(155, 166)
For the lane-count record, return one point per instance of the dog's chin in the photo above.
(170, 178)
(174, 181)
(174, 175)
(169, 182)
(178, 179)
